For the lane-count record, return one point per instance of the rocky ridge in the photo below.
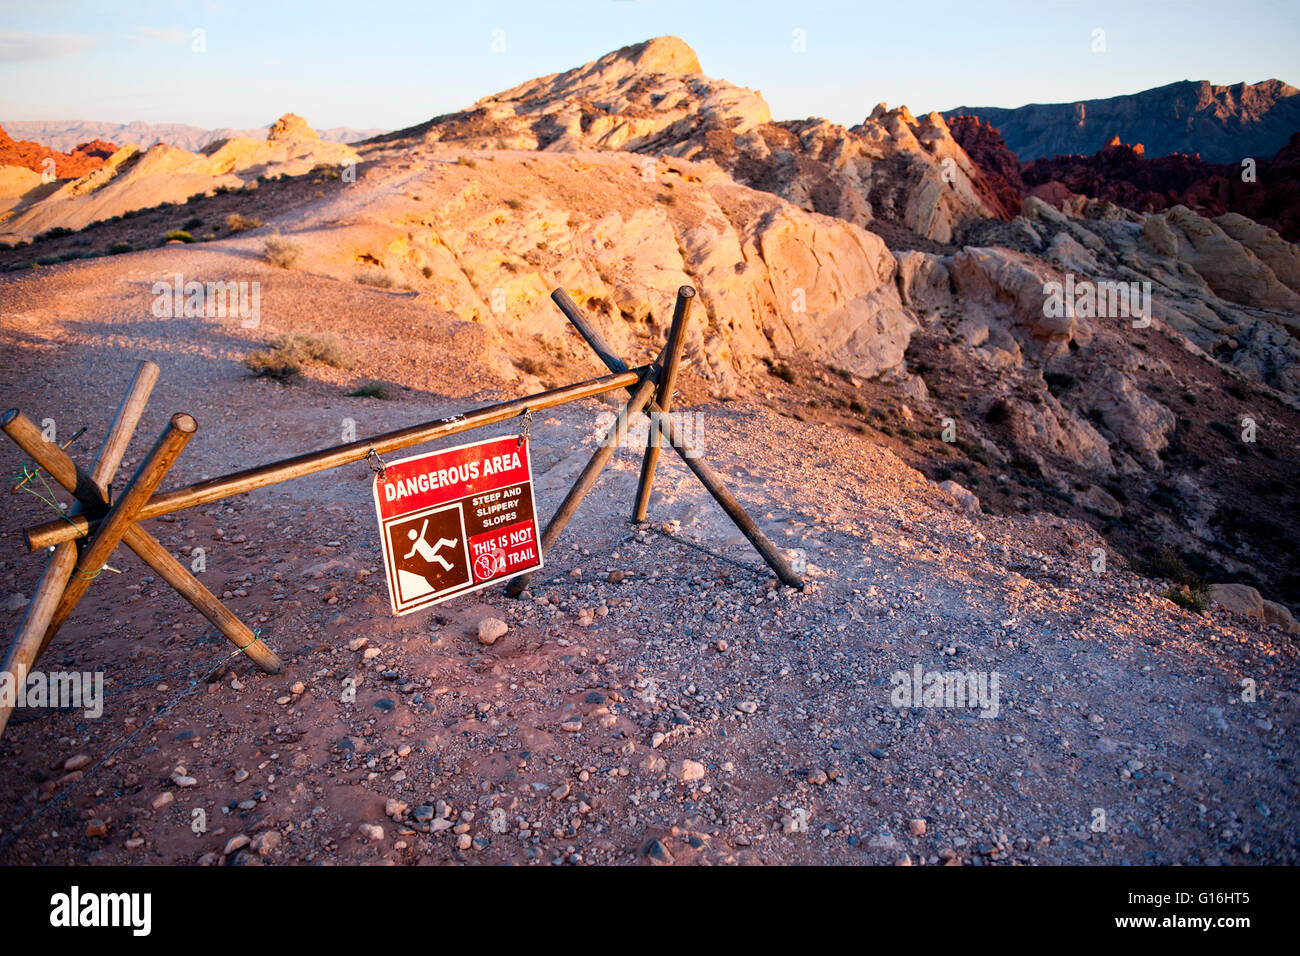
(1223, 124)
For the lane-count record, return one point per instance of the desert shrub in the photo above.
(325, 349)
(514, 203)
(1058, 383)
(285, 359)
(465, 161)
(272, 363)
(237, 223)
(178, 235)
(998, 412)
(1190, 590)
(56, 233)
(282, 251)
(117, 248)
(192, 223)
(375, 277)
(379, 390)
(530, 365)
(1193, 599)
(784, 372)
(1227, 431)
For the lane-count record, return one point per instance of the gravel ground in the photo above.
(657, 697)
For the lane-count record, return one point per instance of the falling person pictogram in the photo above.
(428, 553)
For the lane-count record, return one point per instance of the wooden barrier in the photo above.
(81, 542)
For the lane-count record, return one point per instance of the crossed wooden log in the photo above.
(69, 573)
(81, 541)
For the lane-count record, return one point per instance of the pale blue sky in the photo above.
(377, 64)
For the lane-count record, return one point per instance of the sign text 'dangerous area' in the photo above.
(455, 520)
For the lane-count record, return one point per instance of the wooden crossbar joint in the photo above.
(122, 514)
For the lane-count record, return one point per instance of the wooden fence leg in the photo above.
(204, 601)
(641, 394)
(26, 646)
(712, 482)
(715, 486)
(123, 426)
(667, 384)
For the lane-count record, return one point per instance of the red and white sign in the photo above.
(456, 520)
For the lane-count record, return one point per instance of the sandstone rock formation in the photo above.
(78, 161)
(1267, 192)
(130, 179)
(652, 98)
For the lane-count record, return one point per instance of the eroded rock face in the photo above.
(1265, 189)
(1228, 267)
(652, 98)
(1001, 184)
(37, 158)
(1227, 284)
(1139, 421)
(773, 280)
(1046, 427)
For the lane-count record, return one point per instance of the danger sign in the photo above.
(454, 521)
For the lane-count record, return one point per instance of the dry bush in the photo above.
(285, 359)
(380, 390)
(282, 251)
(237, 223)
(375, 277)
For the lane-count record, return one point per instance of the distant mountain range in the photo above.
(66, 135)
(1225, 124)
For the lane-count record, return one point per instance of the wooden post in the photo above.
(587, 480)
(667, 385)
(52, 532)
(123, 427)
(30, 641)
(711, 480)
(26, 646)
